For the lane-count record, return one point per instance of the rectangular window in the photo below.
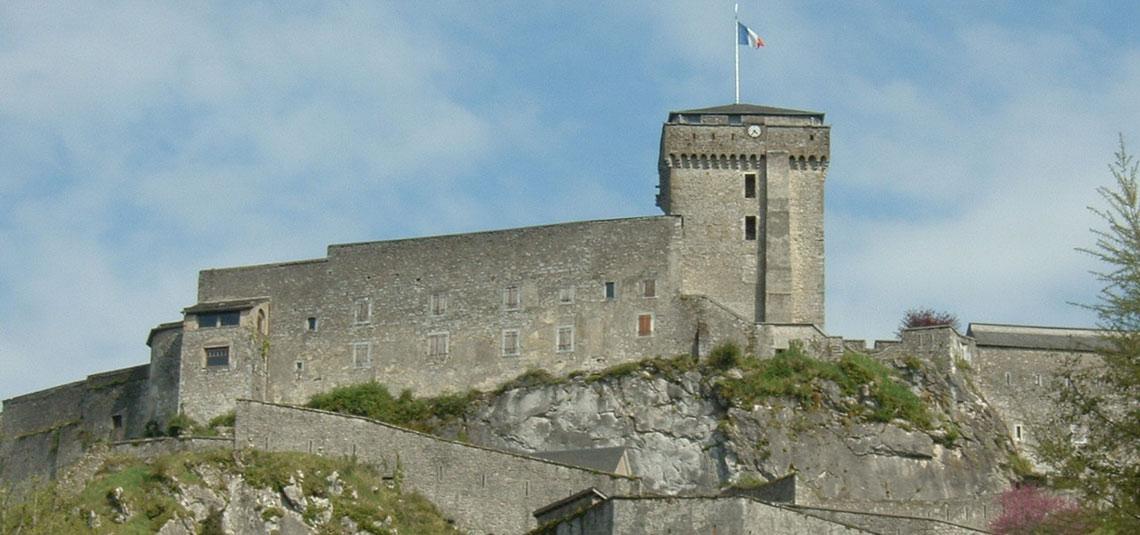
(362, 355)
(750, 227)
(649, 288)
(750, 185)
(218, 357)
(311, 323)
(437, 345)
(1017, 432)
(610, 291)
(645, 325)
(566, 296)
(565, 339)
(362, 311)
(510, 343)
(438, 304)
(219, 319)
(512, 298)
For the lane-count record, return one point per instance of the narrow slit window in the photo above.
(1017, 431)
(750, 227)
(750, 186)
(610, 289)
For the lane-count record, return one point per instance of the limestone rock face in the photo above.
(683, 438)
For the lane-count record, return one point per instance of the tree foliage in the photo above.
(926, 317)
(1095, 449)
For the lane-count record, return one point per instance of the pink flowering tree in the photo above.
(1027, 510)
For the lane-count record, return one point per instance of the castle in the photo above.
(737, 256)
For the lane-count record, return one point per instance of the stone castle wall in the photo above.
(490, 490)
(370, 311)
(48, 430)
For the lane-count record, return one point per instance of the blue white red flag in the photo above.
(745, 36)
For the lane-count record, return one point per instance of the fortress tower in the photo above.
(748, 183)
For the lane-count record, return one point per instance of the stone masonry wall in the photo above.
(1018, 382)
(484, 490)
(455, 288)
(718, 515)
(48, 430)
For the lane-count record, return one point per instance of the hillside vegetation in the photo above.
(224, 491)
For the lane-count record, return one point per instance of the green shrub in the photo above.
(724, 356)
(530, 378)
(373, 400)
(180, 424)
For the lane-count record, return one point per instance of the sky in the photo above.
(141, 142)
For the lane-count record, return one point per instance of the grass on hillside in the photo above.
(790, 374)
(149, 491)
(793, 374)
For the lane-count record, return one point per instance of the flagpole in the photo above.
(736, 45)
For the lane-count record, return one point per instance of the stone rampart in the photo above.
(719, 515)
(885, 523)
(48, 430)
(485, 490)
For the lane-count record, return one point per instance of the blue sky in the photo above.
(142, 142)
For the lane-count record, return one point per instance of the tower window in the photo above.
(750, 186)
(218, 357)
(1017, 431)
(219, 319)
(750, 227)
(311, 323)
(611, 291)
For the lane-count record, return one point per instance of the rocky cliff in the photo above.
(222, 491)
(855, 431)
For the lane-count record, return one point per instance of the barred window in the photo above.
(437, 344)
(218, 357)
(565, 339)
(510, 342)
(362, 355)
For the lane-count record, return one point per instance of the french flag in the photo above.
(745, 36)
